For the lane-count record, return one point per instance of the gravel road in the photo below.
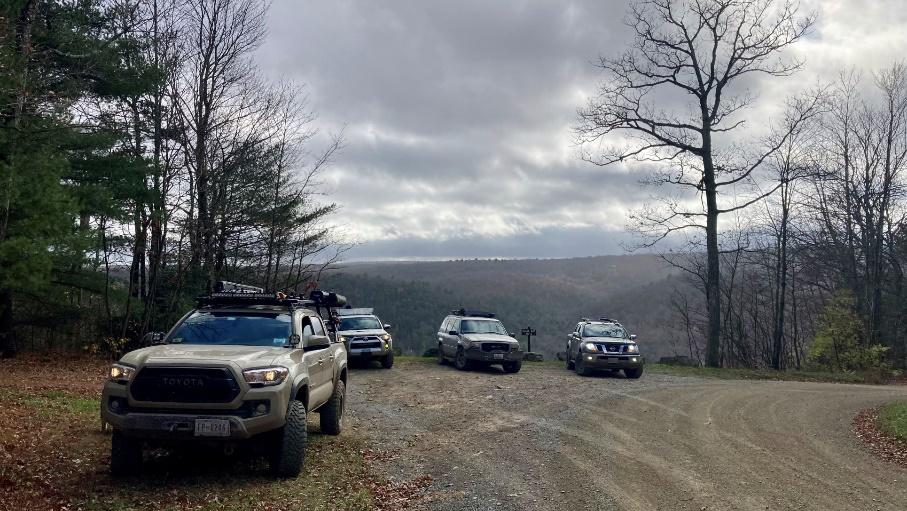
(547, 439)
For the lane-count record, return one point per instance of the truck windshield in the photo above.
(604, 331)
(482, 326)
(234, 328)
(364, 323)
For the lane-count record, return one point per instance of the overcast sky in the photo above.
(458, 115)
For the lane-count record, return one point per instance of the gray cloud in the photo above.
(457, 115)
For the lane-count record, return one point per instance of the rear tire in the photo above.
(388, 361)
(288, 457)
(512, 367)
(331, 413)
(580, 366)
(633, 374)
(460, 360)
(125, 455)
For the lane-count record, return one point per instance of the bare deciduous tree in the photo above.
(697, 54)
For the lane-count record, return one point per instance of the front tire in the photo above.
(633, 374)
(388, 361)
(460, 360)
(512, 367)
(332, 412)
(441, 359)
(288, 457)
(125, 455)
(569, 363)
(580, 366)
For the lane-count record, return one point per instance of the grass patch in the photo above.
(870, 377)
(893, 420)
(53, 403)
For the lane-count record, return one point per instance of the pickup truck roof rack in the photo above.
(477, 314)
(231, 293)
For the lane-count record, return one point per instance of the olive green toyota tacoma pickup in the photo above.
(245, 366)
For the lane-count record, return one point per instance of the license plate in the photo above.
(212, 427)
(499, 356)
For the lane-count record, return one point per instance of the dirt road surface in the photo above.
(548, 439)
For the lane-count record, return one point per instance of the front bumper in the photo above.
(368, 353)
(176, 421)
(493, 357)
(612, 361)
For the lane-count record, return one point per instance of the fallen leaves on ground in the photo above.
(865, 426)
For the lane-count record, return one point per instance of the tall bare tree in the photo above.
(699, 55)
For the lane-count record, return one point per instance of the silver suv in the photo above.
(365, 336)
(603, 344)
(472, 338)
(244, 365)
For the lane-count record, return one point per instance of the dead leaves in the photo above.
(882, 445)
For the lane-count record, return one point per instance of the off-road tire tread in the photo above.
(466, 365)
(125, 455)
(388, 361)
(331, 413)
(288, 458)
(633, 374)
(581, 367)
(512, 367)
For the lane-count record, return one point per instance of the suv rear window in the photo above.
(234, 328)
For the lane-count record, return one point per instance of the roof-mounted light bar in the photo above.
(224, 286)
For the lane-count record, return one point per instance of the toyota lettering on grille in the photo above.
(182, 382)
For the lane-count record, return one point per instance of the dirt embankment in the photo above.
(548, 439)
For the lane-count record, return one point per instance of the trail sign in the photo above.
(528, 332)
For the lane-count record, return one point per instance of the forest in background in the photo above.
(142, 158)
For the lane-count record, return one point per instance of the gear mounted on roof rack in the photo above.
(477, 314)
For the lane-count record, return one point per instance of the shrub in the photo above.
(837, 343)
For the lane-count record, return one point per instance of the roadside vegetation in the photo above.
(875, 377)
(893, 420)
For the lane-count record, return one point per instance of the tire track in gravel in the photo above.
(547, 439)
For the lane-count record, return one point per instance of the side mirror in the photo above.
(317, 342)
(453, 332)
(152, 338)
(632, 337)
(387, 327)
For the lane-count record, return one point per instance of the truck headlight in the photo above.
(589, 346)
(632, 348)
(385, 337)
(266, 376)
(120, 373)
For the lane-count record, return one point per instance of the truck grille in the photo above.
(495, 346)
(612, 348)
(357, 345)
(184, 385)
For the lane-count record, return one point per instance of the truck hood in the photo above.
(608, 340)
(244, 356)
(356, 333)
(488, 338)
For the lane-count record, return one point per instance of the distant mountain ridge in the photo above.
(550, 295)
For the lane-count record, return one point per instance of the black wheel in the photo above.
(460, 361)
(388, 361)
(331, 413)
(633, 373)
(289, 446)
(580, 366)
(441, 359)
(569, 362)
(512, 367)
(125, 455)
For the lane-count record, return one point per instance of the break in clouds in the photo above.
(457, 116)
